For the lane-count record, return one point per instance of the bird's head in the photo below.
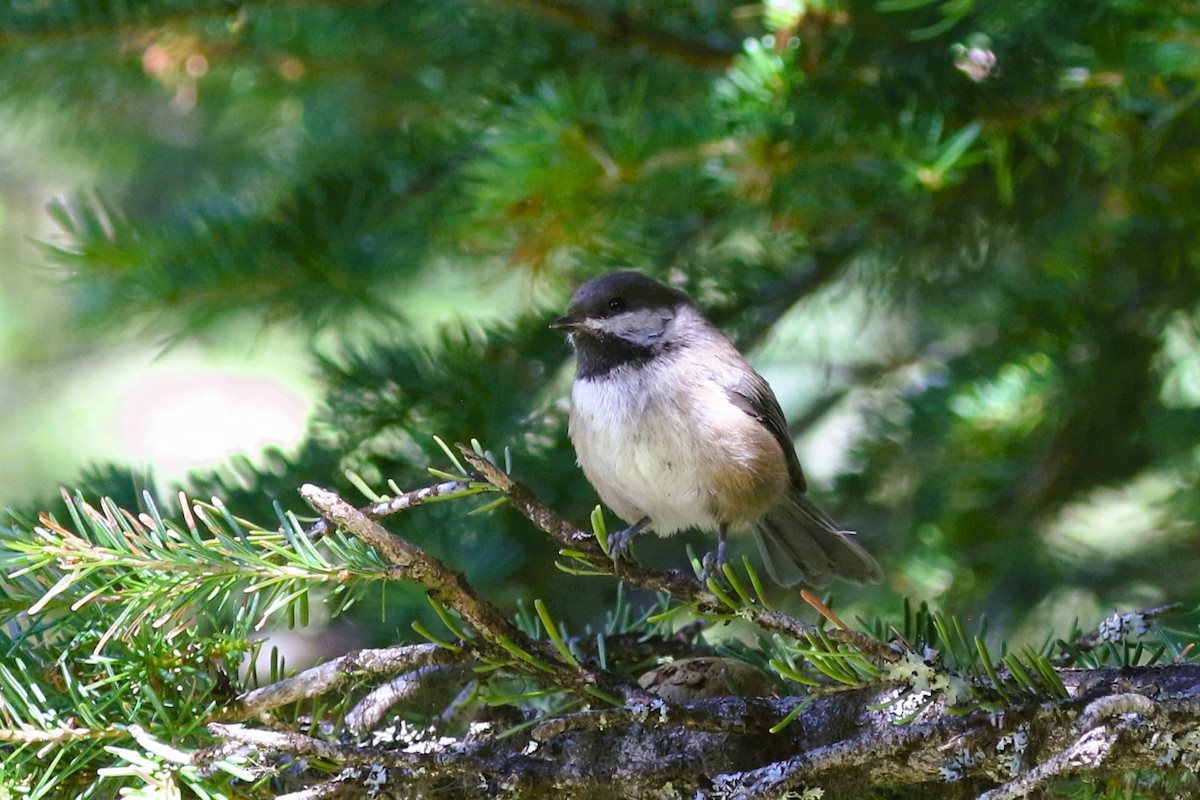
(623, 310)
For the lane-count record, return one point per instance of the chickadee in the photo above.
(675, 430)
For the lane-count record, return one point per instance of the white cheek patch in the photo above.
(642, 327)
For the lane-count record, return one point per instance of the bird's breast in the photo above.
(665, 442)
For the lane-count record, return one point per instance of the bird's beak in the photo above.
(564, 324)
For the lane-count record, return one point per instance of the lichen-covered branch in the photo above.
(844, 744)
(331, 674)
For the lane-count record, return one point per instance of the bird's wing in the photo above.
(752, 395)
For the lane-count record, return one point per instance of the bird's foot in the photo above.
(619, 542)
(713, 563)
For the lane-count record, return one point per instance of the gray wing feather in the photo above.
(798, 541)
(754, 396)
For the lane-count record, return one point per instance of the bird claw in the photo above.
(712, 566)
(713, 563)
(619, 542)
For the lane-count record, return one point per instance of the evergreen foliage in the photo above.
(967, 227)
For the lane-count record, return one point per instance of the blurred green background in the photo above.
(959, 239)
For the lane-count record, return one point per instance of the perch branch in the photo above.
(675, 583)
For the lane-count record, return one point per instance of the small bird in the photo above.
(675, 430)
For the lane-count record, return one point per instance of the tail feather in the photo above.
(800, 543)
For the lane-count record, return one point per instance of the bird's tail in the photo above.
(800, 543)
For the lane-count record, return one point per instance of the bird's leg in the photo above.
(619, 542)
(714, 562)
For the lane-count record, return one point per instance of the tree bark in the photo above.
(842, 744)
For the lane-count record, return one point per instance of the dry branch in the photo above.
(331, 674)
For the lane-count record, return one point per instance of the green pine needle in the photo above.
(672, 612)
(511, 647)
(442, 474)
(605, 696)
(989, 667)
(791, 715)
(553, 633)
(588, 571)
(791, 674)
(450, 454)
(491, 506)
(731, 576)
(600, 529)
(721, 594)
(756, 583)
(450, 620)
(364, 489)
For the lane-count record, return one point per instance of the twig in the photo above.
(53, 735)
(500, 641)
(331, 674)
(401, 502)
(406, 688)
(298, 744)
(1089, 750)
(446, 587)
(1105, 708)
(153, 746)
(1114, 628)
(675, 583)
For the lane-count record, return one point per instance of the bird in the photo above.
(675, 430)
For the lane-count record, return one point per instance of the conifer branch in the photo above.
(675, 583)
(1114, 628)
(922, 718)
(446, 490)
(47, 735)
(499, 640)
(299, 744)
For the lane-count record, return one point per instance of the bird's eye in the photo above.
(616, 305)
